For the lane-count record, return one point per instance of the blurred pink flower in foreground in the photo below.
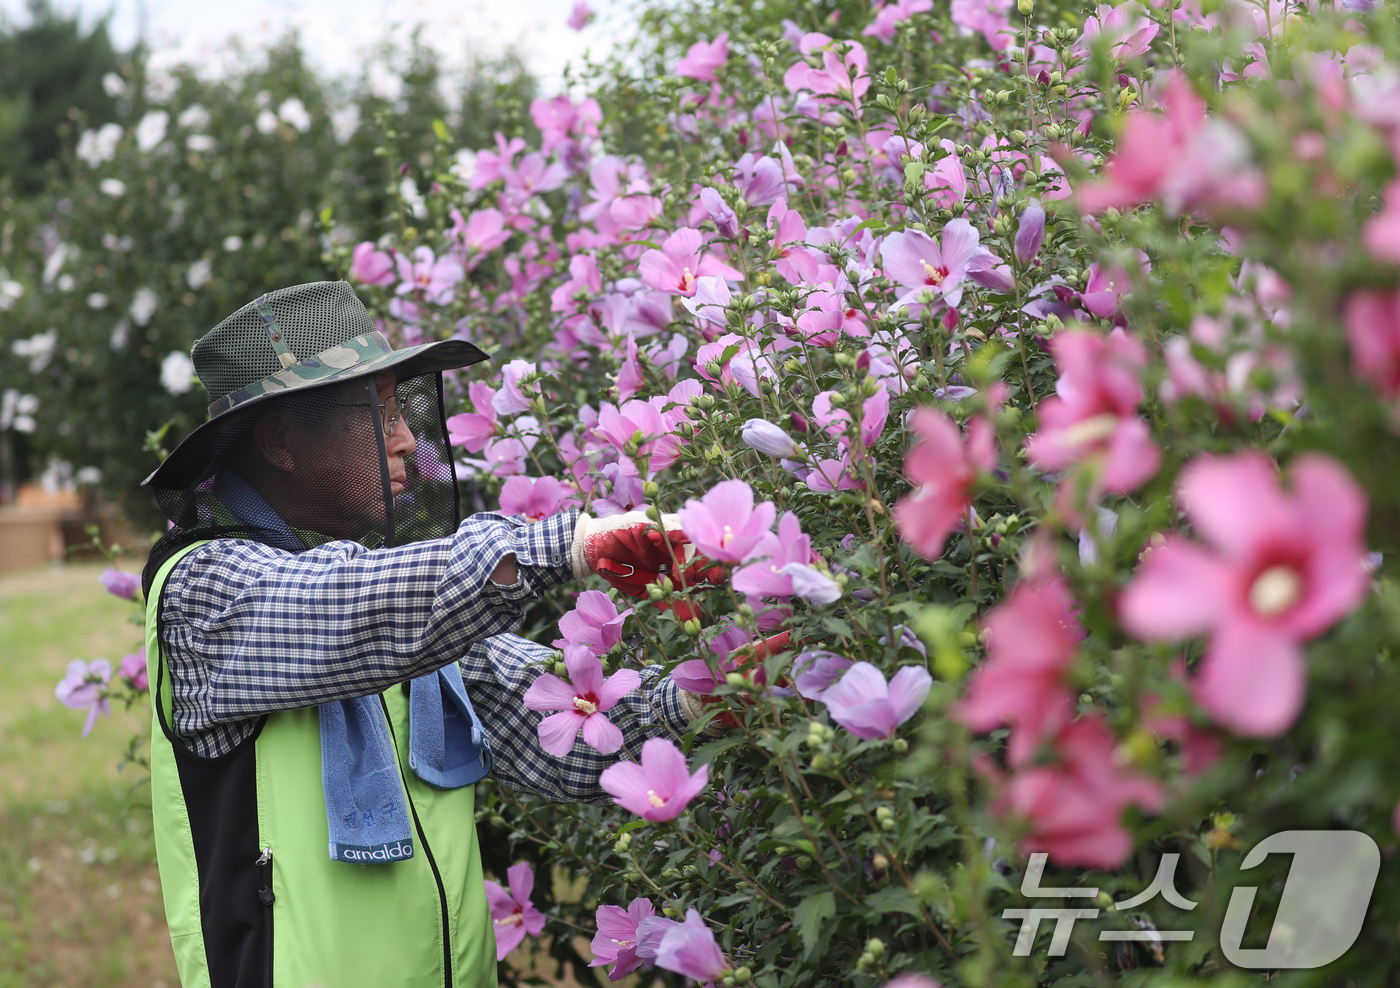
(580, 16)
(512, 913)
(83, 688)
(120, 583)
(532, 497)
(616, 940)
(133, 668)
(1382, 232)
(660, 787)
(689, 948)
(725, 525)
(583, 701)
(681, 260)
(945, 465)
(1074, 807)
(703, 58)
(1281, 567)
(1032, 640)
(1093, 415)
(594, 623)
(1183, 158)
(1372, 320)
(913, 981)
(864, 704)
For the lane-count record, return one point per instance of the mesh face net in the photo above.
(316, 465)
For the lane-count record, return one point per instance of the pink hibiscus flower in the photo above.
(1093, 415)
(594, 623)
(704, 58)
(433, 276)
(1074, 808)
(512, 913)
(725, 526)
(473, 430)
(867, 706)
(532, 497)
(1032, 640)
(583, 701)
(1372, 320)
(371, 266)
(675, 267)
(1281, 568)
(660, 787)
(616, 940)
(918, 263)
(945, 466)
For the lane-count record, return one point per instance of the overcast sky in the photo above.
(338, 33)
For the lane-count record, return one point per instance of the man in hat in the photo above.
(331, 663)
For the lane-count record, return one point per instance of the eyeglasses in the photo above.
(393, 410)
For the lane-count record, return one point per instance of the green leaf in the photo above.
(706, 753)
(894, 900)
(808, 917)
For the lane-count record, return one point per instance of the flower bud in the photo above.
(735, 680)
(1030, 231)
(691, 627)
(1025, 7)
(900, 746)
(651, 488)
(875, 947)
(623, 843)
(768, 439)
(742, 975)
(655, 593)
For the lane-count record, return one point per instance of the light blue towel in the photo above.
(447, 746)
(366, 809)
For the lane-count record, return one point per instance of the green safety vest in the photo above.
(251, 894)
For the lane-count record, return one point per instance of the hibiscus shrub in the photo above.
(1026, 379)
(1029, 377)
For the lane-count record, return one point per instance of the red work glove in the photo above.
(748, 661)
(630, 552)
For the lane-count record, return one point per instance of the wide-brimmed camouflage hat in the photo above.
(305, 336)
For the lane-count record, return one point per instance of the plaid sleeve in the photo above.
(499, 670)
(249, 629)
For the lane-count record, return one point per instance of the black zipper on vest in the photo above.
(432, 863)
(265, 896)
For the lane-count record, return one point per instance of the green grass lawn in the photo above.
(79, 896)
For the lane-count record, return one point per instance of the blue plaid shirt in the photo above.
(248, 629)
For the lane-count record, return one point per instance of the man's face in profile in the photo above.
(328, 475)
